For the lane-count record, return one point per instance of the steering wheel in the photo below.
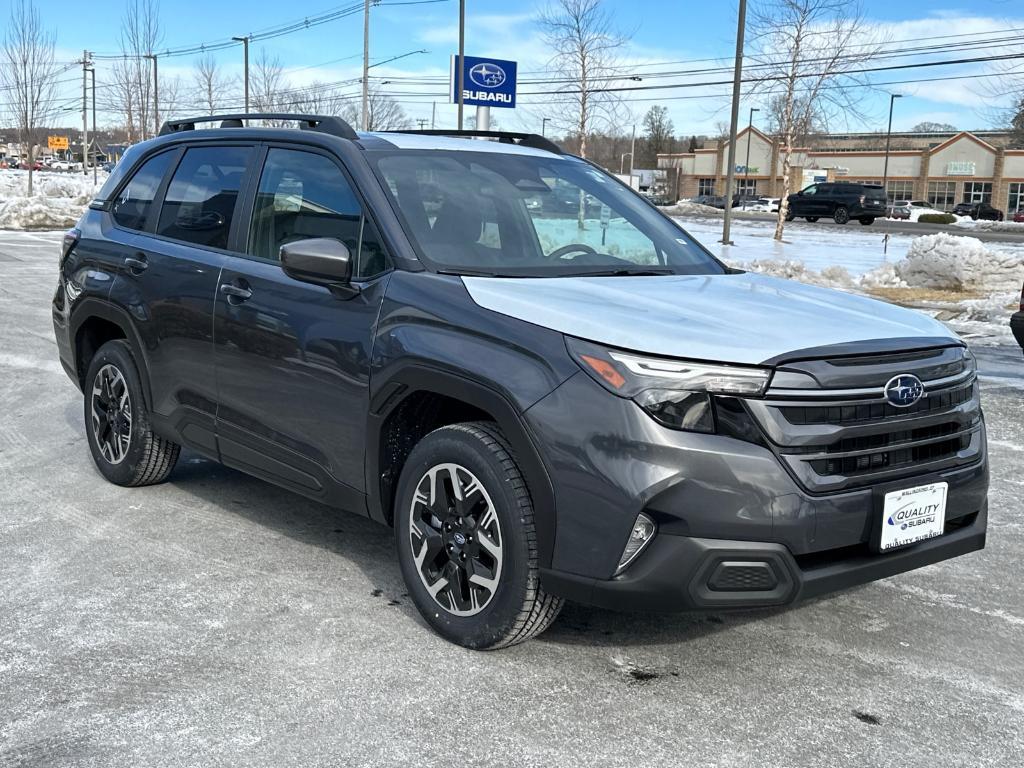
(565, 250)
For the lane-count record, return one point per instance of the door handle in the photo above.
(136, 263)
(236, 293)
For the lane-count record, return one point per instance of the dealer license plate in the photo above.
(912, 515)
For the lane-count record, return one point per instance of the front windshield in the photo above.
(499, 213)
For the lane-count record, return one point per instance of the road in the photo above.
(216, 620)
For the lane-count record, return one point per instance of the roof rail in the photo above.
(322, 123)
(532, 140)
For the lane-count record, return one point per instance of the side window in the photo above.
(200, 200)
(303, 195)
(811, 190)
(132, 205)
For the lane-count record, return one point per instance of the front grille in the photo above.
(837, 431)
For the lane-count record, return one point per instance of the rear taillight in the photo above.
(70, 241)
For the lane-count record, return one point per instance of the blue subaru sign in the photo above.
(486, 82)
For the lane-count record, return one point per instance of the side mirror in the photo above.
(321, 261)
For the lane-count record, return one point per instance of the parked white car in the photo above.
(65, 165)
(918, 207)
(762, 205)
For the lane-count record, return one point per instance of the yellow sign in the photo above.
(57, 142)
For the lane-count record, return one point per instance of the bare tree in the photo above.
(121, 97)
(268, 85)
(659, 130)
(28, 74)
(210, 83)
(385, 114)
(810, 50)
(1017, 124)
(807, 120)
(586, 49)
(140, 37)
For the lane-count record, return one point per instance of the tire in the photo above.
(813, 219)
(841, 214)
(790, 216)
(126, 451)
(866, 221)
(475, 615)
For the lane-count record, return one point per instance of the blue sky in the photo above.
(659, 30)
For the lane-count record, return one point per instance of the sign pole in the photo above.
(459, 78)
(483, 118)
(85, 117)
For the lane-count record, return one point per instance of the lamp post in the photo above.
(737, 76)
(544, 126)
(746, 167)
(888, 137)
(245, 76)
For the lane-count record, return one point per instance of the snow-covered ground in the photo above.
(57, 200)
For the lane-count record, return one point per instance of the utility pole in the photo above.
(741, 24)
(888, 136)
(433, 114)
(459, 76)
(92, 75)
(632, 156)
(544, 129)
(746, 168)
(365, 120)
(245, 46)
(85, 118)
(423, 122)
(156, 96)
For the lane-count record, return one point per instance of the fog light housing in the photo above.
(642, 534)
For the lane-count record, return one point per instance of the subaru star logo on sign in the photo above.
(486, 82)
(904, 390)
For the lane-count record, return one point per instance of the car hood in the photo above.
(737, 318)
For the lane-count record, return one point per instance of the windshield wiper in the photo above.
(476, 273)
(619, 272)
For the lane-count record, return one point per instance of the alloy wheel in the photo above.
(456, 539)
(111, 409)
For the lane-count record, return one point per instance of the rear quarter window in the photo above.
(132, 205)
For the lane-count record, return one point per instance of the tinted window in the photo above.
(303, 195)
(132, 205)
(200, 199)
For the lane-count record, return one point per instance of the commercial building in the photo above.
(942, 168)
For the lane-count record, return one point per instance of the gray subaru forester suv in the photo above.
(543, 384)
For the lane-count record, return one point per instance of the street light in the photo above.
(544, 126)
(888, 136)
(746, 168)
(245, 45)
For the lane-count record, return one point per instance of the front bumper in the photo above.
(679, 573)
(1017, 326)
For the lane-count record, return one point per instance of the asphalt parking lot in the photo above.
(217, 620)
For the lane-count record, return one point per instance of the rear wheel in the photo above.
(790, 215)
(867, 221)
(841, 215)
(125, 449)
(467, 545)
(812, 219)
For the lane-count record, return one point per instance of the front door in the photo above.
(292, 358)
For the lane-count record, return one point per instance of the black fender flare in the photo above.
(89, 308)
(417, 377)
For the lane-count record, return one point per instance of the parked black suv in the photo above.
(543, 408)
(978, 211)
(838, 201)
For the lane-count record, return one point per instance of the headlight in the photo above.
(675, 393)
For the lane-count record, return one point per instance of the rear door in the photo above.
(173, 251)
(292, 358)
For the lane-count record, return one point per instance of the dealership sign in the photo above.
(485, 82)
(960, 168)
(57, 142)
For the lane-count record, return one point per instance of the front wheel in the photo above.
(467, 544)
(841, 215)
(867, 221)
(123, 446)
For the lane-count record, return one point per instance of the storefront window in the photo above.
(747, 187)
(899, 190)
(1016, 201)
(705, 186)
(942, 194)
(978, 192)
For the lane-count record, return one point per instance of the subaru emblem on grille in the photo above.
(904, 390)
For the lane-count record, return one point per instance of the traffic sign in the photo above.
(486, 82)
(57, 142)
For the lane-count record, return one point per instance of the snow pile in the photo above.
(793, 269)
(57, 200)
(951, 262)
(991, 226)
(689, 208)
